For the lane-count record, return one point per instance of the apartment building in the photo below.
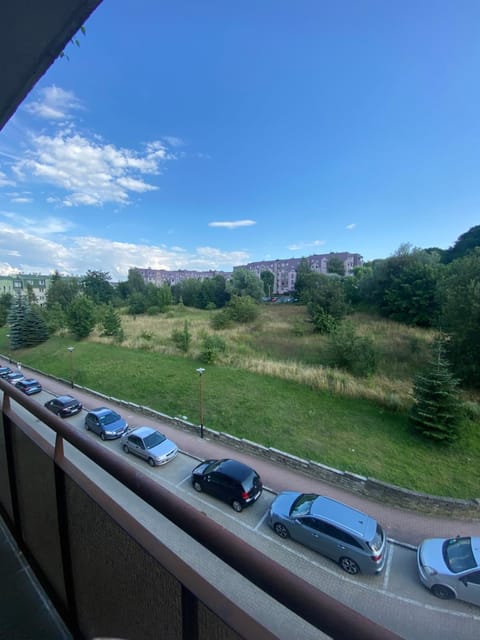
(285, 271)
(34, 286)
(163, 276)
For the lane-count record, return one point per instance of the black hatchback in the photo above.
(64, 406)
(229, 480)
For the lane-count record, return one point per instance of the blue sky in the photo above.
(205, 134)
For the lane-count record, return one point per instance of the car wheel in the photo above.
(102, 436)
(126, 449)
(440, 591)
(197, 486)
(281, 530)
(349, 565)
(237, 506)
(151, 462)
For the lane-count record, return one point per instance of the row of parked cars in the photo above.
(450, 568)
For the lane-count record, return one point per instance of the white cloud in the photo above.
(54, 103)
(22, 250)
(233, 224)
(90, 172)
(306, 245)
(350, 226)
(174, 141)
(21, 200)
(4, 181)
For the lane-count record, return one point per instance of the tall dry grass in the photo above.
(282, 343)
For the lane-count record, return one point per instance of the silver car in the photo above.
(352, 538)
(450, 567)
(149, 444)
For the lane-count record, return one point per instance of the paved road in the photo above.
(405, 527)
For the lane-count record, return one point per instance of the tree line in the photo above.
(429, 288)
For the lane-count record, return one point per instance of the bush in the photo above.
(153, 311)
(353, 353)
(243, 309)
(212, 347)
(221, 320)
(182, 338)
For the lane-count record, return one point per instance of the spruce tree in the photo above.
(35, 329)
(26, 325)
(436, 410)
(16, 322)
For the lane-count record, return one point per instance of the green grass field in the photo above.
(262, 393)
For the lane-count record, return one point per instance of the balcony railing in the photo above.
(121, 556)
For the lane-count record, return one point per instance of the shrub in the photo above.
(221, 320)
(355, 354)
(212, 347)
(182, 338)
(153, 311)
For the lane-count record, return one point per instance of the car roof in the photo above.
(235, 469)
(142, 432)
(65, 399)
(29, 381)
(101, 410)
(341, 514)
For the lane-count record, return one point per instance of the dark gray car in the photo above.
(352, 538)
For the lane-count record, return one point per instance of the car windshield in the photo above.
(153, 439)
(70, 403)
(458, 554)
(302, 505)
(108, 418)
(376, 543)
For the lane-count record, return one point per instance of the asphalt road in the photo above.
(395, 599)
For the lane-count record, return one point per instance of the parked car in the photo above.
(149, 444)
(4, 371)
(229, 480)
(29, 386)
(352, 538)
(106, 423)
(450, 567)
(64, 406)
(14, 377)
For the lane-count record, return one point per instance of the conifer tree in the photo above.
(26, 325)
(436, 410)
(16, 321)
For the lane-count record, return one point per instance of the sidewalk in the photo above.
(402, 526)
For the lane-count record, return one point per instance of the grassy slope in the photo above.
(349, 433)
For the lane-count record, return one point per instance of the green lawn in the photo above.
(347, 433)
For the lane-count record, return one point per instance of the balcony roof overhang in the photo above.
(33, 33)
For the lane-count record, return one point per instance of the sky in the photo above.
(207, 134)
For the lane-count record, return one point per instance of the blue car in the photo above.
(106, 423)
(29, 386)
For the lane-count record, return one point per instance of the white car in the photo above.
(149, 444)
(450, 567)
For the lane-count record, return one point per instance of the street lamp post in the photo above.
(8, 347)
(71, 349)
(200, 371)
